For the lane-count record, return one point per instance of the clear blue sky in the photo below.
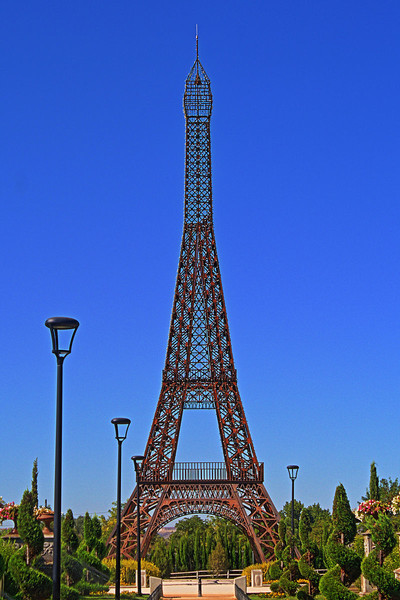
(305, 144)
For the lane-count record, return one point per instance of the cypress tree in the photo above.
(343, 518)
(374, 483)
(88, 533)
(197, 550)
(34, 490)
(68, 536)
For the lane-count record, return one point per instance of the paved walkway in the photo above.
(187, 589)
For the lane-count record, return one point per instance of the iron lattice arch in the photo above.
(199, 373)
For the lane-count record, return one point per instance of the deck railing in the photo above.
(207, 472)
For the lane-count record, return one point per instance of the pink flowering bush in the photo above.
(395, 505)
(371, 508)
(8, 512)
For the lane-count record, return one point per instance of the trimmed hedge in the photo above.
(33, 584)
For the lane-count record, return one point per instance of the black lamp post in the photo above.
(121, 425)
(60, 327)
(293, 470)
(137, 461)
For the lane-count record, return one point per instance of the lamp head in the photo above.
(292, 470)
(137, 461)
(67, 327)
(121, 425)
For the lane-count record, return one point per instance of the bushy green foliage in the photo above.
(384, 581)
(28, 527)
(88, 533)
(330, 588)
(310, 550)
(189, 547)
(92, 535)
(383, 536)
(274, 571)
(7, 550)
(382, 533)
(217, 561)
(392, 561)
(286, 516)
(2, 566)
(88, 558)
(69, 537)
(344, 563)
(72, 569)
(161, 558)
(85, 588)
(343, 519)
(68, 593)
(33, 584)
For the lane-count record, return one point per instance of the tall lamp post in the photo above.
(121, 425)
(137, 461)
(65, 328)
(293, 470)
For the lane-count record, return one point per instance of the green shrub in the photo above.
(7, 550)
(274, 571)
(275, 587)
(72, 569)
(2, 566)
(68, 593)
(68, 535)
(33, 584)
(392, 561)
(87, 558)
(329, 586)
(303, 594)
(28, 527)
(85, 588)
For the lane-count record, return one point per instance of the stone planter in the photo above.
(46, 519)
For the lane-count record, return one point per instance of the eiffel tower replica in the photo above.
(199, 373)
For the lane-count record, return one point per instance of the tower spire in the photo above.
(197, 42)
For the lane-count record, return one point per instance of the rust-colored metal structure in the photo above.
(199, 373)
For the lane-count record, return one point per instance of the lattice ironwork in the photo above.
(199, 373)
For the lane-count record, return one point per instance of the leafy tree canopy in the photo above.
(189, 525)
(286, 511)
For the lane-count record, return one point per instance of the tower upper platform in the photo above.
(197, 100)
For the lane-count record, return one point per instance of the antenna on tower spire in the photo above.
(197, 42)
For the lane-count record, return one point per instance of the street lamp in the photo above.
(293, 470)
(137, 461)
(65, 329)
(121, 425)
